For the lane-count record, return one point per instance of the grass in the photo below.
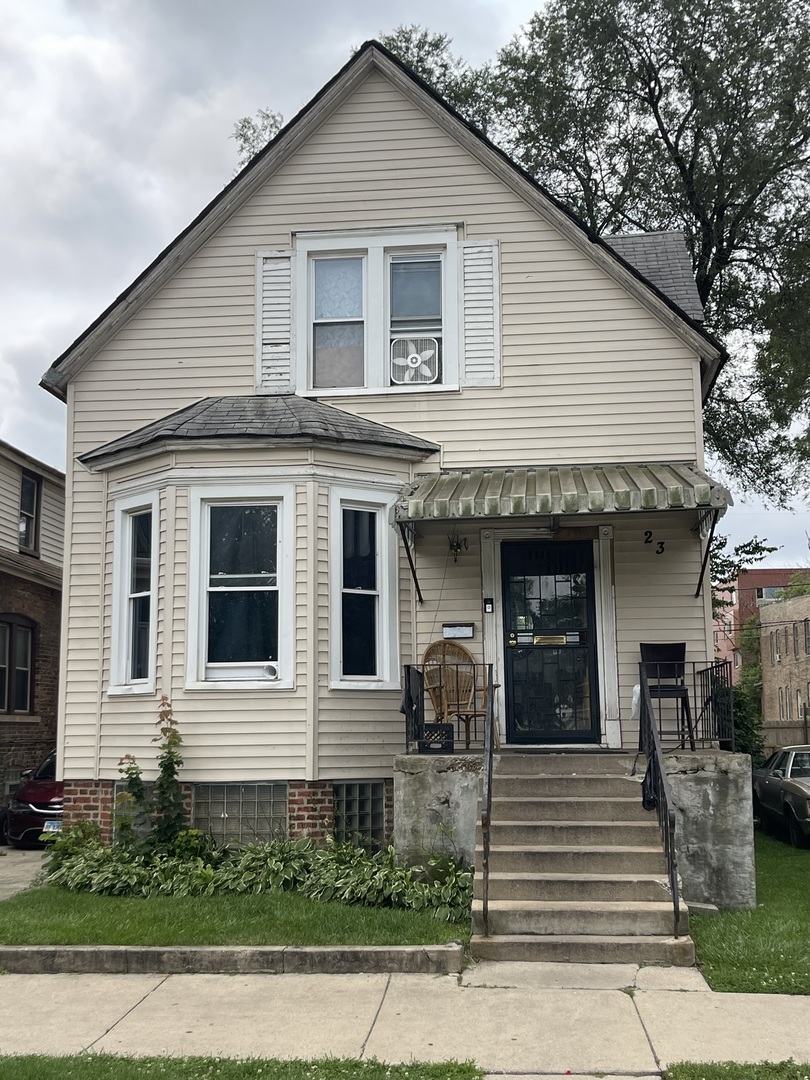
(53, 916)
(731, 1070)
(108, 1067)
(766, 950)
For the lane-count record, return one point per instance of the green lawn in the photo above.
(730, 1070)
(767, 950)
(106, 1067)
(52, 916)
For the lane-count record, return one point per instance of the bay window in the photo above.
(134, 599)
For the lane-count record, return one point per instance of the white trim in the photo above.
(124, 510)
(374, 246)
(606, 640)
(199, 499)
(357, 498)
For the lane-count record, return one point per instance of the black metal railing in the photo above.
(656, 793)
(692, 703)
(446, 707)
(490, 741)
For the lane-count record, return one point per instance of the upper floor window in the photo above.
(30, 506)
(796, 640)
(769, 592)
(807, 637)
(134, 637)
(16, 664)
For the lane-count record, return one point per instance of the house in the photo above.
(744, 600)
(383, 390)
(785, 652)
(32, 514)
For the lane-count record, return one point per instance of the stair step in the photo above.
(569, 833)
(586, 949)
(517, 763)
(540, 809)
(549, 784)
(520, 885)
(602, 917)
(551, 858)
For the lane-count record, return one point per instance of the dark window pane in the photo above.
(28, 496)
(141, 553)
(359, 549)
(416, 290)
(4, 643)
(242, 627)
(359, 634)
(338, 355)
(27, 531)
(22, 687)
(22, 648)
(243, 542)
(140, 638)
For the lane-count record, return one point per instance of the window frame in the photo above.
(126, 509)
(387, 644)
(36, 479)
(376, 248)
(13, 622)
(200, 499)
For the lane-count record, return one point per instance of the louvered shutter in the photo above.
(275, 321)
(481, 332)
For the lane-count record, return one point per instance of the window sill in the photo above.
(369, 391)
(131, 690)
(355, 684)
(19, 718)
(241, 684)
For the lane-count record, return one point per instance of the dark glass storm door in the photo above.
(551, 686)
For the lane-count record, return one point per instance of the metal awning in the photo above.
(558, 489)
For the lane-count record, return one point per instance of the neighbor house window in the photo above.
(364, 648)
(240, 622)
(379, 311)
(16, 664)
(135, 596)
(796, 640)
(781, 704)
(807, 637)
(30, 505)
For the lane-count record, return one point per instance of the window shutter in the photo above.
(481, 332)
(275, 322)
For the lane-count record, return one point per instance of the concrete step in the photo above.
(570, 859)
(583, 887)
(542, 784)
(571, 833)
(586, 949)
(569, 808)
(524, 763)
(606, 918)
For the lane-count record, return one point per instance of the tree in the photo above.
(727, 566)
(252, 135)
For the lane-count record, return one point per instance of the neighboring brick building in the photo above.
(785, 645)
(32, 514)
(753, 589)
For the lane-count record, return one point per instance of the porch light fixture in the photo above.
(457, 545)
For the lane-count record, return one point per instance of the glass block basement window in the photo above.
(360, 813)
(240, 813)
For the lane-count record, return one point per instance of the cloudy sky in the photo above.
(115, 117)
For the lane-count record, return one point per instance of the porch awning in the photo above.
(558, 489)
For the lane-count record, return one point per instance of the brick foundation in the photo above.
(310, 809)
(90, 800)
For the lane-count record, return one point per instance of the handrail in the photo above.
(656, 791)
(486, 799)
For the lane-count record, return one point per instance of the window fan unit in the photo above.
(414, 361)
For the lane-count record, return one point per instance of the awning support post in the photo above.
(404, 535)
(707, 553)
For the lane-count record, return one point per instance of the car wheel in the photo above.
(797, 837)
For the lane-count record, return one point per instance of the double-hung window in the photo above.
(135, 596)
(378, 311)
(240, 599)
(364, 628)
(30, 504)
(16, 664)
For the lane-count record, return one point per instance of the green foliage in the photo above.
(130, 812)
(72, 843)
(110, 1067)
(726, 566)
(765, 950)
(748, 737)
(252, 135)
(734, 1070)
(799, 585)
(168, 798)
(338, 872)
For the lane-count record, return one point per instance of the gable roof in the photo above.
(663, 259)
(370, 57)
(259, 419)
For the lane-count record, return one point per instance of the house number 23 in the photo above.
(659, 544)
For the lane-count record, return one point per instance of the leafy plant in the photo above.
(168, 798)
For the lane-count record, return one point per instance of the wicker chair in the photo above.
(450, 679)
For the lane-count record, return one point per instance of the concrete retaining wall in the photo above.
(711, 790)
(436, 806)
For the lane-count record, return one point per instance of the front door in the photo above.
(550, 642)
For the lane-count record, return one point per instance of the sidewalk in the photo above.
(513, 1019)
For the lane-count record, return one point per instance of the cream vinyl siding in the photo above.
(52, 510)
(9, 505)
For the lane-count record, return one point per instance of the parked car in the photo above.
(782, 792)
(36, 807)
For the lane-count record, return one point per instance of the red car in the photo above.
(36, 807)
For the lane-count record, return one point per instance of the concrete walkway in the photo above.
(526, 1020)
